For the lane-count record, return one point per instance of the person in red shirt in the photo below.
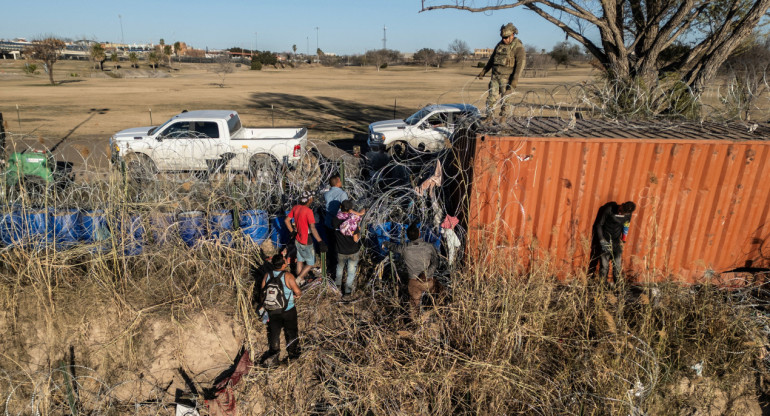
(304, 225)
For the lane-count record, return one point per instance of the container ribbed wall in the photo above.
(702, 205)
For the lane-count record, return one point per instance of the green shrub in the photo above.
(265, 57)
(256, 65)
(480, 64)
(383, 66)
(30, 69)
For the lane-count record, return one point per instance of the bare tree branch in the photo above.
(634, 33)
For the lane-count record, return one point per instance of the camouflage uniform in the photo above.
(507, 63)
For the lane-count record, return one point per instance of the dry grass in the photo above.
(501, 343)
(92, 330)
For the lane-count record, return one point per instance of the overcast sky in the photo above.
(344, 26)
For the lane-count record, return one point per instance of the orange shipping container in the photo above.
(703, 205)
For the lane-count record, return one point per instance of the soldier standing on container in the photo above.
(609, 234)
(507, 63)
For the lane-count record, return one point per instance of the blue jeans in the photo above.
(352, 262)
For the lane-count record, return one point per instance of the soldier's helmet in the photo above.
(508, 30)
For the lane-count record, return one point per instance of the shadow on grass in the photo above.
(324, 113)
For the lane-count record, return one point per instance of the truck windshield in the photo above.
(416, 117)
(234, 124)
(161, 127)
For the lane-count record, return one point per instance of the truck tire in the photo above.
(398, 150)
(263, 168)
(140, 168)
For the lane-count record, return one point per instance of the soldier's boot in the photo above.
(506, 112)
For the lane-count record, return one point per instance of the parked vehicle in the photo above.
(426, 130)
(207, 141)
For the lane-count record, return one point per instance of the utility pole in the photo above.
(2, 140)
(122, 40)
(316, 39)
(307, 40)
(384, 37)
(256, 45)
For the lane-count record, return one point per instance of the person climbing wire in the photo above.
(421, 260)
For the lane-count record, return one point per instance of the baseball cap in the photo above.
(306, 195)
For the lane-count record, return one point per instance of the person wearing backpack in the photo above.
(279, 290)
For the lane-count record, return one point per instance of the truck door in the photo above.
(205, 143)
(186, 145)
(435, 129)
(168, 152)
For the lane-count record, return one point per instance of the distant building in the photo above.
(13, 48)
(194, 53)
(482, 53)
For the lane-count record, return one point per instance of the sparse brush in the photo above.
(502, 340)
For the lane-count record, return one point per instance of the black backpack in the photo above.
(273, 298)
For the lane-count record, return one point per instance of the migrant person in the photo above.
(333, 198)
(610, 231)
(348, 239)
(421, 260)
(507, 63)
(261, 265)
(281, 319)
(304, 226)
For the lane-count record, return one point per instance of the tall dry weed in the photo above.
(503, 341)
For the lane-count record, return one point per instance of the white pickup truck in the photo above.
(425, 130)
(207, 141)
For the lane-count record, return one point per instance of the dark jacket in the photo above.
(345, 243)
(609, 225)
